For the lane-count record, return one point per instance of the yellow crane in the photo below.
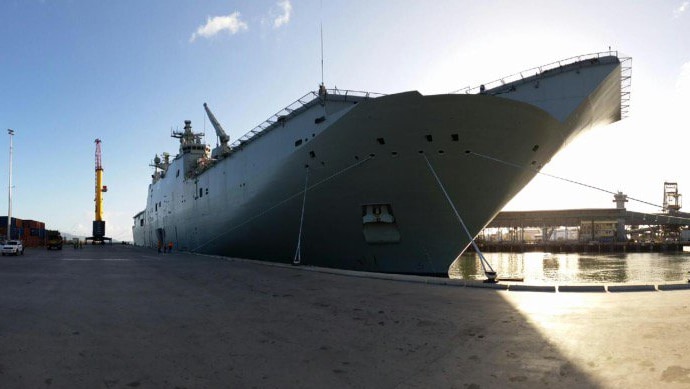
(98, 234)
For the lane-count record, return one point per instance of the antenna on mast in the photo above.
(321, 28)
(322, 87)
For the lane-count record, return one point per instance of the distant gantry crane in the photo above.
(672, 199)
(98, 233)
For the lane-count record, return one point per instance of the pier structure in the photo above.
(591, 229)
(122, 316)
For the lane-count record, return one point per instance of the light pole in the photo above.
(9, 190)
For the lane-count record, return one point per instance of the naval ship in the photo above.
(397, 183)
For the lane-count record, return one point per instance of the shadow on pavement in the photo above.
(121, 316)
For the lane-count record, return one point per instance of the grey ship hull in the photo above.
(372, 201)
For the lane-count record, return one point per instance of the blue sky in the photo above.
(129, 71)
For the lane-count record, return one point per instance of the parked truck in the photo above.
(54, 240)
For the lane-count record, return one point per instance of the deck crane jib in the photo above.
(223, 149)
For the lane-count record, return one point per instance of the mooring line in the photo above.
(490, 274)
(298, 252)
(218, 236)
(537, 171)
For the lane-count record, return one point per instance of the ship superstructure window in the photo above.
(381, 141)
(207, 191)
(201, 192)
(141, 222)
(429, 138)
(455, 137)
(298, 142)
(319, 120)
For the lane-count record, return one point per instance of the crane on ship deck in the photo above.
(98, 232)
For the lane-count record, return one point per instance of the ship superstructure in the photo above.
(365, 181)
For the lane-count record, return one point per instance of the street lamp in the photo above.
(9, 190)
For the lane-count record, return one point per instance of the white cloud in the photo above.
(683, 7)
(214, 25)
(284, 17)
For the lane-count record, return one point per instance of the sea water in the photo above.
(567, 269)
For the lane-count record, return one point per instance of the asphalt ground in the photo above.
(126, 317)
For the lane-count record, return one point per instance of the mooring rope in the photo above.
(218, 236)
(537, 171)
(298, 252)
(491, 274)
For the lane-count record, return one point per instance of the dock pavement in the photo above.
(119, 316)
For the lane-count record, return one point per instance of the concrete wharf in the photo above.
(125, 317)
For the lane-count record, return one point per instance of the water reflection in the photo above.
(548, 268)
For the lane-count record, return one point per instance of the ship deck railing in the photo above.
(536, 71)
(495, 87)
(299, 105)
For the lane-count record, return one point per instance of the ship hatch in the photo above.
(379, 225)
